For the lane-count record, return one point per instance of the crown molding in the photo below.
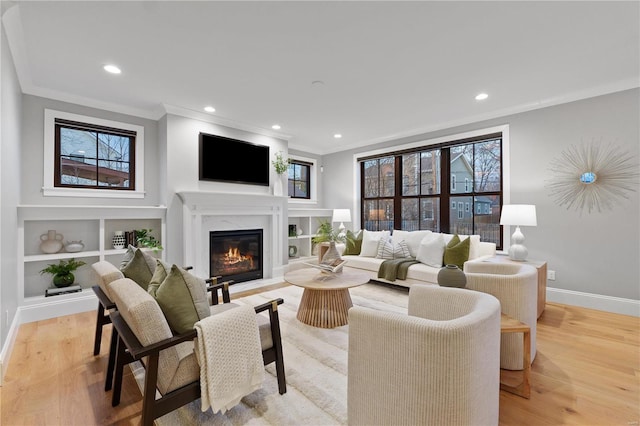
(202, 116)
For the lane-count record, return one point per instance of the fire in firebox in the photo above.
(236, 255)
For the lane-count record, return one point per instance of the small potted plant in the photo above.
(326, 238)
(281, 165)
(63, 272)
(145, 239)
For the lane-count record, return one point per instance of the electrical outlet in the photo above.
(551, 275)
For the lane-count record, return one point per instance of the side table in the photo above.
(541, 266)
(512, 325)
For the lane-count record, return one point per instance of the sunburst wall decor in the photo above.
(592, 176)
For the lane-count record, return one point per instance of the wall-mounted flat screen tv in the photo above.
(231, 160)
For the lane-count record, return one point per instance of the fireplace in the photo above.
(236, 255)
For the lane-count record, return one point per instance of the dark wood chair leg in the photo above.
(113, 347)
(99, 323)
(121, 361)
(149, 397)
(277, 344)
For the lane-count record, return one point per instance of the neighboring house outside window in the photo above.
(416, 188)
(88, 156)
(92, 157)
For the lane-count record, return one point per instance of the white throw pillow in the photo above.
(390, 250)
(370, 241)
(474, 244)
(412, 238)
(431, 250)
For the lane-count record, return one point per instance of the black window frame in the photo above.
(99, 130)
(446, 191)
(293, 183)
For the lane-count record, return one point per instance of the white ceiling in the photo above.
(389, 69)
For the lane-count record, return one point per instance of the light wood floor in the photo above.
(586, 372)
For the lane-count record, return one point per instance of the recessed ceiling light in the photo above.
(481, 96)
(112, 69)
(276, 127)
(337, 136)
(209, 109)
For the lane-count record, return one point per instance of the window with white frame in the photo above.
(302, 179)
(92, 157)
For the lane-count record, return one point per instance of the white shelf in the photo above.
(94, 226)
(308, 220)
(58, 256)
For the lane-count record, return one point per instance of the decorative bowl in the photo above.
(74, 246)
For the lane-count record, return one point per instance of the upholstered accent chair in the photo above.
(437, 365)
(516, 287)
(171, 368)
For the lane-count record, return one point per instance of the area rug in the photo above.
(315, 363)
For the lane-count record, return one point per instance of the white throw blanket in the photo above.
(230, 356)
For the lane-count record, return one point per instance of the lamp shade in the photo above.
(341, 215)
(519, 215)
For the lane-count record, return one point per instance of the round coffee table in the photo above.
(326, 300)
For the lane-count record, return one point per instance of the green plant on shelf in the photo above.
(326, 233)
(63, 271)
(145, 239)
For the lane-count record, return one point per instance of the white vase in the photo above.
(51, 242)
(278, 186)
(118, 240)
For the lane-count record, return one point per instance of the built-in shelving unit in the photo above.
(307, 220)
(95, 227)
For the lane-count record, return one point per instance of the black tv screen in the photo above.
(231, 160)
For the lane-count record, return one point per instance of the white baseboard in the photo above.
(7, 348)
(616, 305)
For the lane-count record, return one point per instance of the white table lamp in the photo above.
(342, 216)
(518, 215)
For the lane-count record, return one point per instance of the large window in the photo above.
(299, 179)
(453, 187)
(89, 156)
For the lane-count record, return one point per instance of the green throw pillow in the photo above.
(353, 243)
(182, 298)
(139, 268)
(162, 270)
(457, 252)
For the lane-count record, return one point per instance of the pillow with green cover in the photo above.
(138, 266)
(181, 296)
(457, 252)
(353, 243)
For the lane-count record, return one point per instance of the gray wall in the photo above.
(597, 253)
(10, 124)
(33, 156)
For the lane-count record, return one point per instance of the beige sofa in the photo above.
(419, 273)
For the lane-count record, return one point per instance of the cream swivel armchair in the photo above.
(516, 287)
(438, 365)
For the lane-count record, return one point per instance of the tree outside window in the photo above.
(413, 200)
(88, 156)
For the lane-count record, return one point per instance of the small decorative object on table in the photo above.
(62, 272)
(118, 240)
(74, 246)
(293, 251)
(292, 231)
(51, 242)
(452, 276)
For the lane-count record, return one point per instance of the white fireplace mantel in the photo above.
(205, 211)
